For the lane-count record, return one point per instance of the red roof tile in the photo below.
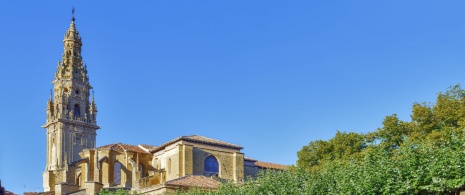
(268, 165)
(40, 193)
(148, 147)
(11, 193)
(194, 181)
(249, 159)
(199, 139)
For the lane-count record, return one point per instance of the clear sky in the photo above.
(267, 75)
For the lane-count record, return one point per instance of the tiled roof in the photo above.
(199, 181)
(199, 139)
(268, 165)
(40, 193)
(11, 193)
(123, 147)
(249, 159)
(147, 147)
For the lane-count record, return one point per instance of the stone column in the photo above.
(187, 160)
(48, 181)
(238, 167)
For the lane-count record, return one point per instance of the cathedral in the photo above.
(74, 165)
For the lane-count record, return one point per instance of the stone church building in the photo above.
(74, 165)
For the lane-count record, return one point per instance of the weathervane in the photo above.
(72, 11)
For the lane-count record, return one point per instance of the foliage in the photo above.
(269, 182)
(423, 156)
(117, 192)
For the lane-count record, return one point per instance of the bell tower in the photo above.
(71, 123)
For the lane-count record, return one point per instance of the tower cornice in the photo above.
(69, 121)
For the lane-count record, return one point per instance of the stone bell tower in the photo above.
(71, 123)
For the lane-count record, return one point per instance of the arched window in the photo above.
(211, 165)
(78, 180)
(77, 110)
(169, 166)
(117, 173)
(141, 170)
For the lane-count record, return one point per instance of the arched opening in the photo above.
(141, 171)
(211, 166)
(155, 164)
(169, 166)
(77, 110)
(78, 180)
(117, 173)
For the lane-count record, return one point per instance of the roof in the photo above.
(249, 159)
(199, 139)
(40, 193)
(147, 147)
(267, 165)
(123, 147)
(11, 193)
(199, 181)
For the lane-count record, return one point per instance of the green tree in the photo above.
(422, 156)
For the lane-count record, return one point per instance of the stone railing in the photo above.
(73, 118)
(151, 180)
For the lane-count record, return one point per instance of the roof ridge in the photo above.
(194, 181)
(180, 178)
(271, 165)
(122, 147)
(198, 139)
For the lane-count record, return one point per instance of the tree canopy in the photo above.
(422, 156)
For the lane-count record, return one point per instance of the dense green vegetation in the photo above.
(117, 192)
(423, 156)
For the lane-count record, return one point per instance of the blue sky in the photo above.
(267, 75)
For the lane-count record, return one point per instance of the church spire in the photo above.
(72, 27)
(71, 65)
(69, 127)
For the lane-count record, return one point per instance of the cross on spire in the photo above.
(72, 12)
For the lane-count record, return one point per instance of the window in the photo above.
(78, 180)
(77, 110)
(211, 165)
(117, 173)
(141, 170)
(169, 166)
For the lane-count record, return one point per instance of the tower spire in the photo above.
(69, 129)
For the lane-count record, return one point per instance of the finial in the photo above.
(51, 94)
(72, 11)
(92, 95)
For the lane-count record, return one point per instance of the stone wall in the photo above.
(64, 188)
(230, 161)
(185, 158)
(170, 161)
